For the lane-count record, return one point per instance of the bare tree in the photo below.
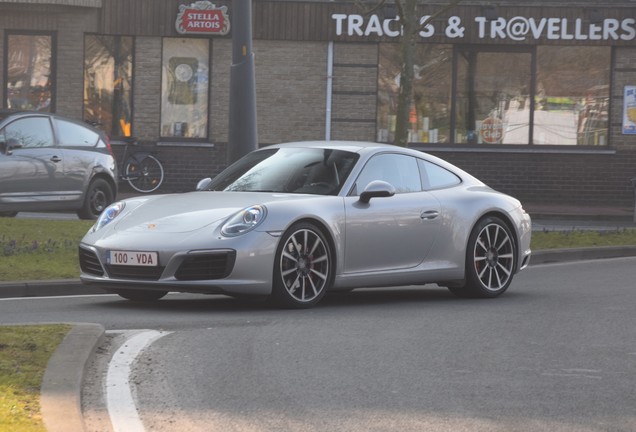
(407, 11)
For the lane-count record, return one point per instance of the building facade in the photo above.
(538, 99)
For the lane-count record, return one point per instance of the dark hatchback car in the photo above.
(52, 163)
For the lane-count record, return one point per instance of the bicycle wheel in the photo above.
(145, 174)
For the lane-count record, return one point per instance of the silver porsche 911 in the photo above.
(293, 221)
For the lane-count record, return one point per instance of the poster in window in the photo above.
(629, 110)
(182, 80)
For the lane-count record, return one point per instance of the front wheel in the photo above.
(303, 267)
(98, 196)
(144, 175)
(490, 260)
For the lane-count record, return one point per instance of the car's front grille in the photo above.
(213, 265)
(134, 272)
(89, 263)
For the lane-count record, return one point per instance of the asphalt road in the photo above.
(555, 353)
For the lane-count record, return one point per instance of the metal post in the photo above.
(242, 129)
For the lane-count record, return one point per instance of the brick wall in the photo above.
(355, 80)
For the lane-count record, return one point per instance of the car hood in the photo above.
(180, 213)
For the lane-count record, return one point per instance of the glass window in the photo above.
(493, 91)
(290, 170)
(184, 87)
(436, 177)
(398, 170)
(430, 112)
(30, 132)
(108, 67)
(29, 72)
(74, 135)
(572, 96)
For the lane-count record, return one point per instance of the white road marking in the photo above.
(122, 410)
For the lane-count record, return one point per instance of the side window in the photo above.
(30, 132)
(74, 135)
(436, 177)
(399, 170)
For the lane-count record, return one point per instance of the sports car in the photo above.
(291, 222)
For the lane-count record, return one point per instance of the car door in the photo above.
(78, 144)
(394, 232)
(31, 165)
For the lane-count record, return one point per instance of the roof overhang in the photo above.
(76, 3)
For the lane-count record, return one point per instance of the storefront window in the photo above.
(108, 65)
(493, 91)
(548, 95)
(430, 112)
(29, 72)
(184, 85)
(572, 95)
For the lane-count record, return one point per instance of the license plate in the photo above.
(149, 259)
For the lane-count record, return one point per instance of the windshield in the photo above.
(288, 170)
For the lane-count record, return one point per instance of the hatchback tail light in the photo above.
(107, 141)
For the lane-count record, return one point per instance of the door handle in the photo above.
(56, 159)
(429, 215)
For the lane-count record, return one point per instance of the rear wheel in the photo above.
(303, 268)
(98, 196)
(490, 260)
(141, 295)
(144, 175)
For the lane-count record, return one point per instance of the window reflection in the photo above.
(29, 72)
(493, 91)
(108, 65)
(430, 112)
(572, 96)
(184, 84)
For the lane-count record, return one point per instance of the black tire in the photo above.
(140, 295)
(491, 259)
(98, 196)
(144, 175)
(9, 214)
(303, 267)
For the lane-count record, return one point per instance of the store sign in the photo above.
(514, 29)
(629, 110)
(491, 130)
(203, 17)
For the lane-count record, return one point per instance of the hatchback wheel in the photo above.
(303, 268)
(98, 196)
(490, 260)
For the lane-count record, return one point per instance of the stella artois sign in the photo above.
(203, 17)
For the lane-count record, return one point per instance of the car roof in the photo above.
(352, 146)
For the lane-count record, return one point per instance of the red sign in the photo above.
(202, 17)
(491, 131)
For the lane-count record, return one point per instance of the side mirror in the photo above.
(9, 145)
(377, 189)
(203, 184)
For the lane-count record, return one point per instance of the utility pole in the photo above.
(243, 137)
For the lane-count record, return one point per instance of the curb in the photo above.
(58, 287)
(551, 256)
(60, 394)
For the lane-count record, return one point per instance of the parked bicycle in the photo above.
(140, 169)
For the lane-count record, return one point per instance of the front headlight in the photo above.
(244, 221)
(111, 212)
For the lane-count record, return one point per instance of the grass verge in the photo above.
(47, 249)
(24, 354)
(40, 249)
